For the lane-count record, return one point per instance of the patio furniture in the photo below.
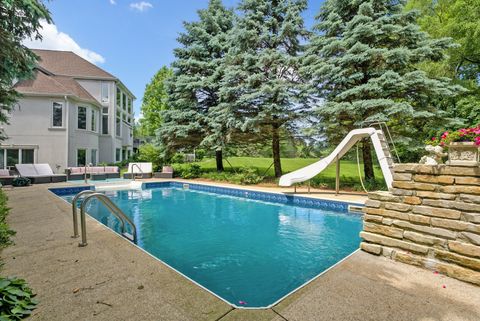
(139, 170)
(167, 172)
(39, 173)
(6, 178)
(46, 170)
(93, 172)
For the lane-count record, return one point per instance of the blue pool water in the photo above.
(249, 252)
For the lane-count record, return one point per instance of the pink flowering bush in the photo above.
(462, 135)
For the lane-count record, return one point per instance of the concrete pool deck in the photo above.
(111, 279)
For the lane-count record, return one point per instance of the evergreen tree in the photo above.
(155, 100)
(19, 19)
(261, 81)
(194, 87)
(364, 61)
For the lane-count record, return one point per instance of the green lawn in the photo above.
(348, 169)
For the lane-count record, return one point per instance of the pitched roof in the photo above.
(47, 84)
(66, 63)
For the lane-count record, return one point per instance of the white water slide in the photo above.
(379, 143)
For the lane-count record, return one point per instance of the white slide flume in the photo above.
(381, 149)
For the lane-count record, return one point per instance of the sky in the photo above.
(131, 39)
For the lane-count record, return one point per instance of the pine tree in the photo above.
(363, 60)
(261, 81)
(18, 20)
(193, 89)
(155, 100)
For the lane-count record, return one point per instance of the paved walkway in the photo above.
(111, 279)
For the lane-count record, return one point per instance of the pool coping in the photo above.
(167, 184)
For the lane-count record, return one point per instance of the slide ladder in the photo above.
(380, 146)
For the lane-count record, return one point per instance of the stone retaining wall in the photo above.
(430, 218)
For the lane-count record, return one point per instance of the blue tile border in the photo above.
(307, 202)
(302, 201)
(60, 191)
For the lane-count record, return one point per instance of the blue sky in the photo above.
(131, 39)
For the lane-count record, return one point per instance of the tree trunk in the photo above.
(219, 160)
(277, 165)
(367, 160)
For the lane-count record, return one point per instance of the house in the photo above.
(71, 114)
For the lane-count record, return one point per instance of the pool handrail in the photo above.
(114, 209)
(74, 210)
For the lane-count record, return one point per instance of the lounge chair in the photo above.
(29, 171)
(167, 172)
(139, 170)
(6, 178)
(39, 173)
(45, 169)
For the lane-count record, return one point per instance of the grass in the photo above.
(348, 170)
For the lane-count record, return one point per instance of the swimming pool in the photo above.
(248, 251)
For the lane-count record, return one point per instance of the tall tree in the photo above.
(19, 19)
(260, 87)
(459, 20)
(364, 61)
(155, 100)
(194, 87)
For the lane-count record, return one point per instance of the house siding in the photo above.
(30, 125)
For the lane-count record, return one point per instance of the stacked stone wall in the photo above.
(430, 218)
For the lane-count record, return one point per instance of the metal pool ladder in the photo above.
(114, 209)
(133, 174)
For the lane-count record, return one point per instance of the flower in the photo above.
(471, 134)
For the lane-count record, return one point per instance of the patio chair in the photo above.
(46, 170)
(29, 171)
(167, 172)
(139, 170)
(6, 178)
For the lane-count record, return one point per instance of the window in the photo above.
(57, 115)
(118, 154)
(81, 157)
(94, 121)
(124, 101)
(12, 157)
(129, 105)
(124, 153)
(27, 156)
(119, 97)
(105, 96)
(105, 121)
(93, 157)
(118, 123)
(9, 157)
(82, 118)
(2, 158)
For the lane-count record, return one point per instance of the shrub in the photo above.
(16, 299)
(199, 154)
(249, 175)
(187, 171)
(5, 232)
(151, 154)
(178, 158)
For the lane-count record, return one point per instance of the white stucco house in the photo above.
(73, 113)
